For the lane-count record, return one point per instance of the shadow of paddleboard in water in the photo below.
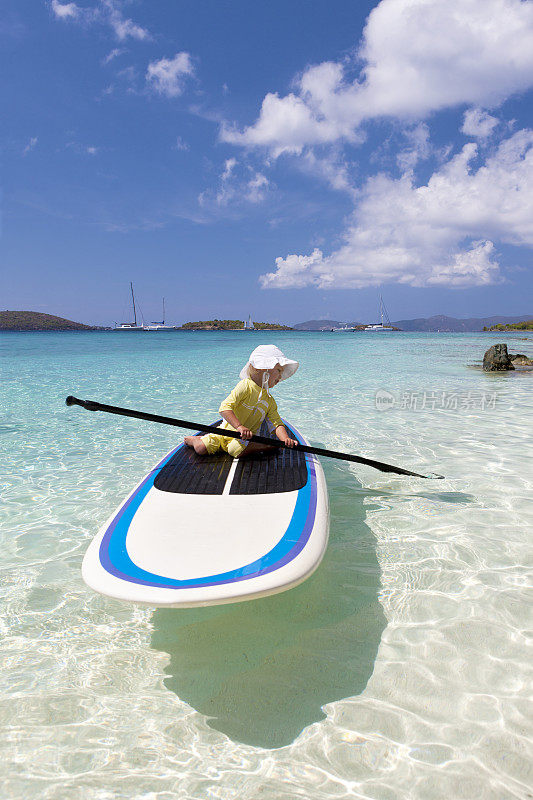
(262, 670)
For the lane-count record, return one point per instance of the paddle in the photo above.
(92, 405)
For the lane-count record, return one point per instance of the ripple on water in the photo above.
(400, 669)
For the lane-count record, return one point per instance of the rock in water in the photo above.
(496, 359)
(521, 360)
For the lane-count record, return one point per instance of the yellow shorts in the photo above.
(228, 443)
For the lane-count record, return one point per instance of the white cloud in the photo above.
(418, 56)
(330, 168)
(294, 272)
(256, 187)
(419, 149)
(473, 267)
(82, 149)
(30, 146)
(441, 233)
(287, 125)
(478, 123)
(422, 55)
(229, 166)
(237, 185)
(181, 144)
(123, 28)
(65, 10)
(106, 12)
(113, 54)
(128, 74)
(167, 76)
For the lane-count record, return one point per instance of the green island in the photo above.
(232, 325)
(526, 325)
(36, 321)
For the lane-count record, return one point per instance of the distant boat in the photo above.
(248, 326)
(346, 327)
(380, 327)
(160, 326)
(130, 326)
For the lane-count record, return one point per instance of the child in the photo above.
(248, 404)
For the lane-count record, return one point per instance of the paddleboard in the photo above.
(203, 530)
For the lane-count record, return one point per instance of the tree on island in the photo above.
(526, 325)
(231, 325)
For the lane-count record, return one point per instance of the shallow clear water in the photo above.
(400, 669)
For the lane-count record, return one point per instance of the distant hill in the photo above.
(437, 323)
(35, 321)
(454, 325)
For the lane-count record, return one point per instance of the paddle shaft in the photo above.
(92, 405)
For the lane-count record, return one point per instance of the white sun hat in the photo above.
(266, 356)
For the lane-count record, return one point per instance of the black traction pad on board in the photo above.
(188, 473)
(281, 470)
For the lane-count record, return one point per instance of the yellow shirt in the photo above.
(250, 405)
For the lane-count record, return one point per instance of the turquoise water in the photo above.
(399, 669)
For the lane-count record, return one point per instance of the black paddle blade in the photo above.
(90, 405)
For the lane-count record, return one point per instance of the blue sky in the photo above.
(291, 160)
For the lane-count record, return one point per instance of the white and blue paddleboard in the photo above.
(202, 530)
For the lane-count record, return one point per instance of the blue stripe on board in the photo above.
(115, 559)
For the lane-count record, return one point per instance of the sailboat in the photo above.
(130, 326)
(380, 327)
(248, 326)
(160, 326)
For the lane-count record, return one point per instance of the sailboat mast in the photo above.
(163, 310)
(133, 301)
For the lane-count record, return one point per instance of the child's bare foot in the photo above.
(196, 442)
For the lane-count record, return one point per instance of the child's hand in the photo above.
(290, 442)
(246, 433)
